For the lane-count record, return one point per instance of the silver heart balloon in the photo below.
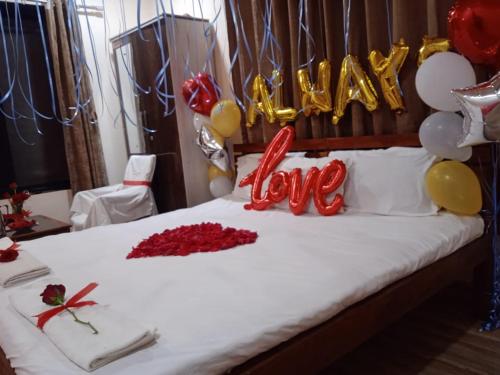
(480, 105)
(213, 151)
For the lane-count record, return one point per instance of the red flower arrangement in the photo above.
(10, 254)
(16, 199)
(188, 239)
(16, 220)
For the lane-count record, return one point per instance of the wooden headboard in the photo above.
(340, 143)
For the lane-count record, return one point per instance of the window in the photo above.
(36, 162)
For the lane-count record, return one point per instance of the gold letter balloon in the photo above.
(262, 103)
(386, 69)
(225, 118)
(430, 46)
(315, 98)
(454, 186)
(354, 84)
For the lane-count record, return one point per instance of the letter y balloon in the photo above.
(318, 183)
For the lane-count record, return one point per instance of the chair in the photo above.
(120, 203)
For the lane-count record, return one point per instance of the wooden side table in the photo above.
(45, 226)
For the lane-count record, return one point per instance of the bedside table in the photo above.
(45, 226)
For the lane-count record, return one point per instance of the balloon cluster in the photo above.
(201, 95)
(450, 184)
(439, 81)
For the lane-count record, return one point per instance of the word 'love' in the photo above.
(320, 183)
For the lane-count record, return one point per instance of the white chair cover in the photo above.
(120, 203)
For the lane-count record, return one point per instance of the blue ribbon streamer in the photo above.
(347, 12)
(389, 22)
(139, 30)
(305, 28)
(7, 65)
(29, 101)
(493, 320)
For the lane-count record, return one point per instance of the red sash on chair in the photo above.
(136, 183)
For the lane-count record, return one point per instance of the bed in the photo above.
(309, 290)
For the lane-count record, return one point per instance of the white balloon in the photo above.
(221, 186)
(199, 121)
(438, 75)
(440, 134)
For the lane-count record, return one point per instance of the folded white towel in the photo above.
(5, 243)
(118, 335)
(25, 267)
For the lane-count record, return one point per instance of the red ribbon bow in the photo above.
(73, 302)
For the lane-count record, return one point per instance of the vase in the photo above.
(17, 208)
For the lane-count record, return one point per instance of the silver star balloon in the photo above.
(213, 151)
(480, 105)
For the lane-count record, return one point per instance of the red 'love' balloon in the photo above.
(200, 93)
(282, 184)
(473, 29)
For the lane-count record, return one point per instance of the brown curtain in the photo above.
(369, 27)
(82, 140)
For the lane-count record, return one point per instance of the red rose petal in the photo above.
(188, 239)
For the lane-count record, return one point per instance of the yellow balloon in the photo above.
(213, 172)
(430, 46)
(315, 98)
(271, 107)
(353, 84)
(225, 117)
(454, 186)
(386, 70)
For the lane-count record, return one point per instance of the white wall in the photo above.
(106, 101)
(54, 204)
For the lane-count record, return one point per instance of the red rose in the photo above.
(6, 195)
(8, 255)
(54, 295)
(13, 186)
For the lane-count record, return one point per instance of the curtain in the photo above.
(372, 23)
(82, 140)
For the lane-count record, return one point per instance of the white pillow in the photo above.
(388, 182)
(248, 163)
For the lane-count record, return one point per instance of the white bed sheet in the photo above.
(215, 310)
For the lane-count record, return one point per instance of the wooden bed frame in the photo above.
(314, 349)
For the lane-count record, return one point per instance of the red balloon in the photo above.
(200, 93)
(473, 28)
(329, 180)
(300, 194)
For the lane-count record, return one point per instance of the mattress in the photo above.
(216, 310)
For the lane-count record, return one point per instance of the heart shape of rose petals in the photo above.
(200, 93)
(188, 239)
